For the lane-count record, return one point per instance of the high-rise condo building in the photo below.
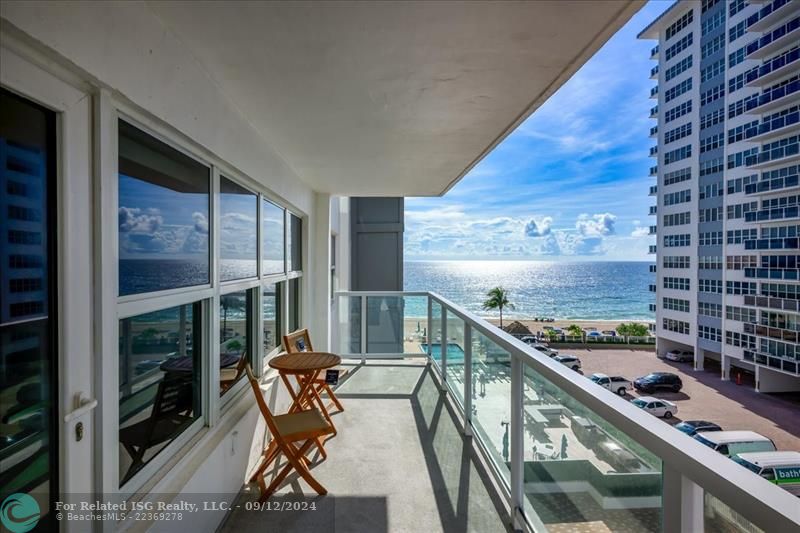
(727, 155)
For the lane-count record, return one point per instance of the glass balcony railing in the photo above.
(775, 154)
(653, 209)
(765, 11)
(652, 249)
(772, 273)
(653, 151)
(654, 92)
(786, 243)
(778, 334)
(551, 437)
(654, 71)
(653, 111)
(779, 32)
(787, 365)
(777, 213)
(770, 95)
(653, 131)
(653, 269)
(654, 52)
(790, 57)
(781, 304)
(773, 124)
(774, 184)
(654, 171)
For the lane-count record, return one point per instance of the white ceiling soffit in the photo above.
(390, 98)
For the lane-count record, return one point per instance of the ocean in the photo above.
(598, 290)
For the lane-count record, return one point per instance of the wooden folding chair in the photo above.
(307, 427)
(230, 375)
(300, 341)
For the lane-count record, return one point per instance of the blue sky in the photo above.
(571, 183)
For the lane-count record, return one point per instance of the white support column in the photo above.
(363, 328)
(517, 437)
(726, 367)
(682, 503)
(318, 266)
(467, 379)
(443, 348)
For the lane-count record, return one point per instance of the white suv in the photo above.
(569, 360)
(656, 406)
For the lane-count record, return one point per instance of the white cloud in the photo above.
(640, 231)
(540, 228)
(598, 225)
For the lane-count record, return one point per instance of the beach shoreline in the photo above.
(599, 325)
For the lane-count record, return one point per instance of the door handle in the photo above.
(84, 406)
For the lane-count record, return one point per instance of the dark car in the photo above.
(658, 380)
(690, 427)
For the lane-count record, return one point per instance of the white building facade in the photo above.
(727, 187)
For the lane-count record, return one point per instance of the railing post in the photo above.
(363, 327)
(443, 348)
(682, 502)
(429, 339)
(517, 433)
(467, 379)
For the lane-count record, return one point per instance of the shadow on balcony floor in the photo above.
(399, 463)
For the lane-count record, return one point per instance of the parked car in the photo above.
(569, 360)
(529, 339)
(616, 384)
(731, 443)
(658, 380)
(691, 427)
(680, 356)
(545, 349)
(781, 468)
(594, 335)
(610, 333)
(656, 406)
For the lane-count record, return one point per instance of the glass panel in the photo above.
(163, 215)
(580, 469)
(272, 221)
(718, 517)
(397, 324)
(272, 316)
(435, 338)
(159, 376)
(238, 224)
(294, 253)
(491, 399)
(349, 324)
(28, 462)
(235, 319)
(293, 286)
(455, 356)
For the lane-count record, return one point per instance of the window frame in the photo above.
(111, 307)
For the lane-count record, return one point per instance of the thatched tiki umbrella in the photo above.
(518, 329)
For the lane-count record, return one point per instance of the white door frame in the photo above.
(24, 73)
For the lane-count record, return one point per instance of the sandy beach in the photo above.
(599, 325)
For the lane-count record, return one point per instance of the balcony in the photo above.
(779, 334)
(770, 15)
(654, 72)
(781, 304)
(653, 269)
(653, 190)
(789, 274)
(773, 98)
(409, 417)
(774, 40)
(783, 65)
(654, 52)
(654, 112)
(653, 230)
(784, 151)
(780, 363)
(777, 213)
(774, 127)
(653, 210)
(653, 131)
(780, 183)
(654, 170)
(654, 151)
(654, 92)
(785, 243)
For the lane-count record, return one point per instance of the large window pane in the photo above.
(294, 303)
(163, 215)
(294, 254)
(238, 231)
(235, 319)
(272, 316)
(159, 382)
(28, 357)
(272, 218)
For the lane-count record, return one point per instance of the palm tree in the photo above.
(498, 299)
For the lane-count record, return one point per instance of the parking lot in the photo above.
(704, 395)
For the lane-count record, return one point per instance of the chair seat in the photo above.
(302, 425)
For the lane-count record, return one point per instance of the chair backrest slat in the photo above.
(262, 403)
(298, 341)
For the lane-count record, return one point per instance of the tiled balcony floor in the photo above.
(399, 463)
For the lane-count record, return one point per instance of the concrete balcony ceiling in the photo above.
(390, 98)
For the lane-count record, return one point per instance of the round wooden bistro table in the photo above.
(306, 368)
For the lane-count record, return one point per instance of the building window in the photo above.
(271, 315)
(273, 221)
(160, 376)
(235, 325)
(293, 295)
(294, 236)
(163, 215)
(238, 219)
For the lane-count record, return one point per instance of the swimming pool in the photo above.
(454, 350)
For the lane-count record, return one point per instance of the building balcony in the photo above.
(654, 112)
(788, 274)
(781, 66)
(653, 210)
(779, 334)
(781, 183)
(786, 243)
(781, 155)
(653, 269)
(654, 151)
(654, 92)
(654, 170)
(654, 131)
(652, 288)
(773, 41)
(654, 52)
(770, 15)
(780, 304)
(653, 190)
(792, 366)
(775, 127)
(654, 72)
(773, 98)
(653, 230)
